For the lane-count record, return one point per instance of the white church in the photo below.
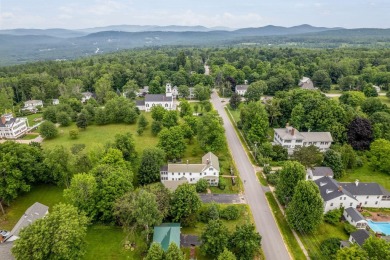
(151, 100)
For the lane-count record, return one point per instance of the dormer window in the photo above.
(322, 184)
(328, 191)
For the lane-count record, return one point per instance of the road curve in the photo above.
(272, 242)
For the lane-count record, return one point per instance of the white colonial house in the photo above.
(11, 127)
(352, 194)
(32, 105)
(306, 83)
(318, 172)
(241, 89)
(151, 100)
(353, 216)
(291, 138)
(85, 96)
(191, 173)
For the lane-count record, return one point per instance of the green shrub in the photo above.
(230, 213)
(202, 185)
(222, 183)
(267, 169)
(208, 212)
(349, 228)
(333, 216)
(329, 247)
(74, 134)
(273, 178)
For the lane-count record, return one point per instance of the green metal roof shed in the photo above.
(167, 233)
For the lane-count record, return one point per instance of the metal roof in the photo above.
(167, 233)
(354, 214)
(317, 136)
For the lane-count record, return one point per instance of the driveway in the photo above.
(272, 241)
(222, 198)
(189, 240)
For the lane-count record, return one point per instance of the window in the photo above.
(147, 105)
(341, 204)
(368, 197)
(345, 198)
(210, 169)
(378, 197)
(178, 173)
(184, 174)
(376, 202)
(200, 174)
(365, 203)
(341, 198)
(191, 173)
(287, 141)
(173, 173)
(331, 204)
(350, 204)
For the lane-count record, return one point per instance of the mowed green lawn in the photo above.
(31, 118)
(48, 195)
(367, 174)
(385, 100)
(95, 136)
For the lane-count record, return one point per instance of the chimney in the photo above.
(3, 120)
(208, 161)
(293, 131)
(357, 182)
(287, 125)
(340, 188)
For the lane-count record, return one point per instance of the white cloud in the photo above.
(106, 7)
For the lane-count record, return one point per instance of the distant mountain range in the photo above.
(25, 45)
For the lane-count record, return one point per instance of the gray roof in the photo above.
(36, 211)
(140, 103)
(172, 185)
(364, 188)
(285, 134)
(87, 93)
(157, 98)
(306, 83)
(354, 214)
(329, 189)
(317, 136)
(242, 87)
(9, 122)
(360, 236)
(33, 102)
(345, 243)
(212, 158)
(188, 167)
(322, 171)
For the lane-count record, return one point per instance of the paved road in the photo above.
(272, 242)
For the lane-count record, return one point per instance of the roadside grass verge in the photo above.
(261, 178)
(285, 229)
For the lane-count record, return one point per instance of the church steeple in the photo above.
(168, 90)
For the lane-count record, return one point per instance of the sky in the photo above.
(72, 14)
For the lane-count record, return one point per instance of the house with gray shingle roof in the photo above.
(358, 237)
(306, 83)
(333, 195)
(291, 138)
(179, 173)
(318, 172)
(352, 194)
(353, 216)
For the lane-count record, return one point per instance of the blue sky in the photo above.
(235, 14)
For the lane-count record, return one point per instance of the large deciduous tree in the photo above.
(215, 238)
(174, 253)
(211, 132)
(185, 202)
(308, 156)
(235, 101)
(60, 235)
(255, 91)
(322, 80)
(170, 119)
(360, 134)
(352, 98)
(254, 122)
(185, 108)
(289, 176)
(48, 130)
(163, 197)
(305, 211)
(81, 193)
(333, 160)
(377, 248)
(380, 155)
(245, 241)
(151, 161)
(172, 142)
(125, 144)
(353, 252)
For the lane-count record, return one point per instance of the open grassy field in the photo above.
(107, 242)
(48, 195)
(31, 118)
(367, 174)
(385, 100)
(313, 241)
